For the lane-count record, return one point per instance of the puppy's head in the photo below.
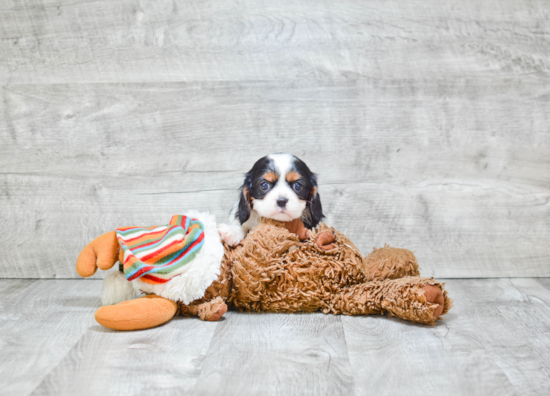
(281, 187)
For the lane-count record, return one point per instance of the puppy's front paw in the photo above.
(231, 234)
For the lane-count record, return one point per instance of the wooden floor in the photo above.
(495, 341)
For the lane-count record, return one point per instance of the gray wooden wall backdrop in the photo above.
(427, 121)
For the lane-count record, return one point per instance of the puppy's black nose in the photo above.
(281, 202)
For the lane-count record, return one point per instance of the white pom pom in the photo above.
(116, 288)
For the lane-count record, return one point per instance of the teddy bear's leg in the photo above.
(420, 300)
(390, 263)
(102, 252)
(141, 313)
(209, 311)
(213, 305)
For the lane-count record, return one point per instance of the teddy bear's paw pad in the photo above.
(141, 313)
(222, 309)
(325, 240)
(434, 295)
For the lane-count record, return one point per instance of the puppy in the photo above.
(280, 187)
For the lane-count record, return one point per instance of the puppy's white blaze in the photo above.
(283, 162)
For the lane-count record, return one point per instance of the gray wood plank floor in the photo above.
(496, 340)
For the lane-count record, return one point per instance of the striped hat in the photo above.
(157, 254)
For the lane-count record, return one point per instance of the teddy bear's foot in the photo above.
(212, 311)
(417, 299)
(141, 313)
(434, 295)
(420, 300)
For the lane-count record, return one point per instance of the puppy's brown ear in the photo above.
(243, 211)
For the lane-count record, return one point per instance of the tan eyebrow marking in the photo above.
(292, 176)
(270, 177)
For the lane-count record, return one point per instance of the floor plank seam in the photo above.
(347, 352)
(207, 353)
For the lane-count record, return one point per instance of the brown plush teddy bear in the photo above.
(284, 267)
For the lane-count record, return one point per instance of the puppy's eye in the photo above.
(297, 187)
(264, 186)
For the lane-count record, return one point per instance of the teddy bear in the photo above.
(278, 267)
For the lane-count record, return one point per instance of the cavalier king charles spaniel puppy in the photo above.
(280, 187)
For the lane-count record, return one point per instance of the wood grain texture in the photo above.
(451, 177)
(40, 322)
(166, 360)
(494, 341)
(275, 354)
(149, 40)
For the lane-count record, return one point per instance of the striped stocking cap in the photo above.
(157, 254)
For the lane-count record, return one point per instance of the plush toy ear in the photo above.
(314, 210)
(243, 210)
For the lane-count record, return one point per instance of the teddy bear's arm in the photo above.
(297, 227)
(325, 239)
